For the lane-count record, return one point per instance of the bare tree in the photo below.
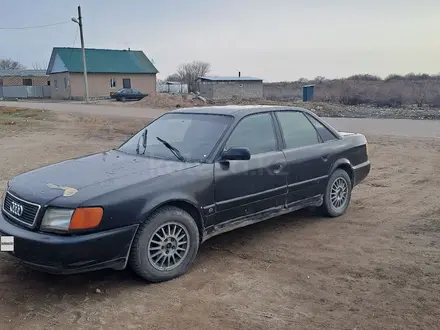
(189, 72)
(174, 77)
(39, 65)
(8, 64)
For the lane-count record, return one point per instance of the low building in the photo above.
(224, 88)
(107, 71)
(22, 84)
(23, 78)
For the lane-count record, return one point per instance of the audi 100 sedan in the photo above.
(189, 175)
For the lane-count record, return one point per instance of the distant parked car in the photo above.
(127, 94)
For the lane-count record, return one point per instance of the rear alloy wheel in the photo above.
(165, 245)
(337, 195)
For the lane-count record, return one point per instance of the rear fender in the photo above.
(345, 164)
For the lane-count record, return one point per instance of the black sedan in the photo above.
(125, 94)
(189, 175)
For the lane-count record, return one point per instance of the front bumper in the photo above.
(69, 254)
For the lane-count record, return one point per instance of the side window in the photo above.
(297, 129)
(326, 134)
(255, 133)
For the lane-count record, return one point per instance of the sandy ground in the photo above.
(377, 267)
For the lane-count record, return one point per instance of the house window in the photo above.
(66, 82)
(27, 82)
(55, 83)
(112, 83)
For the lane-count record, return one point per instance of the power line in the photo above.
(32, 27)
(71, 51)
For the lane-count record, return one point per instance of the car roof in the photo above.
(236, 110)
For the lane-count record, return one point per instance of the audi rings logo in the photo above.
(16, 209)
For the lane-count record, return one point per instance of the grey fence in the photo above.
(172, 88)
(24, 92)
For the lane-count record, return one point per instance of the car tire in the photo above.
(337, 194)
(147, 255)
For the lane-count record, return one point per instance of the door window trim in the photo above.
(275, 128)
(309, 116)
(284, 146)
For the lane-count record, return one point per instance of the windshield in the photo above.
(193, 135)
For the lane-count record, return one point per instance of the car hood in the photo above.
(75, 178)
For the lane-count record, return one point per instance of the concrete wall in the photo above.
(99, 84)
(206, 89)
(18, 80)
(219, 90)
(57, 86)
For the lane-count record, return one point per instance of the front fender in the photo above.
(153, 204)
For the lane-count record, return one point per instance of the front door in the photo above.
(246, 187)
(126, 83)
(308, 158)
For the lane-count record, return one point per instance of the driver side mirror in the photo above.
(236, 154)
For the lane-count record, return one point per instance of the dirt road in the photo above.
(377, 267)
(394, 127)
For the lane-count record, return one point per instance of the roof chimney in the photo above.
(239, 74)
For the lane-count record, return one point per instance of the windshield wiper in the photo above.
(174, 150)
(144, 142)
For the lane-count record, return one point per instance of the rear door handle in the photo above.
(277, 168)
(325, 158)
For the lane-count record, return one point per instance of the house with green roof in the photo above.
(108, 70)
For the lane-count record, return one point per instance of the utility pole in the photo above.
(79, 22)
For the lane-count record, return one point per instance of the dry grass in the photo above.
(394, 91)
(13, 120)
(108, 128)
(168, 101)
(9, 114)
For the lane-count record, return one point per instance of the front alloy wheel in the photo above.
(165, 245)
(168, 246)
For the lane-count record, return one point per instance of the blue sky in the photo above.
(277, 40)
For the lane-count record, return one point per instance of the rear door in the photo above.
(308, 157)
(246, 187)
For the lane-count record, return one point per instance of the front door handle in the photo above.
(325, 158)
(277, 168)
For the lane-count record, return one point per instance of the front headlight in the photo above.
(56, 219)
(3, 195)
(63, 220)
